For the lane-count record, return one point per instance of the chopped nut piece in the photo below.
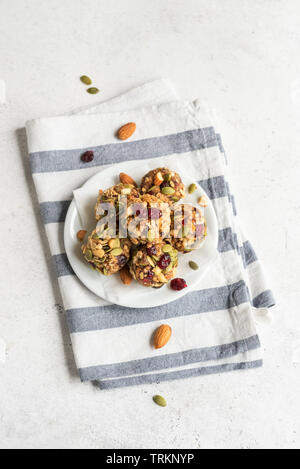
(125, 275)
(202, 201)
(81, 234)
(158, 179)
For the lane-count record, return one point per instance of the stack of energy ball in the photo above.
(150, 255)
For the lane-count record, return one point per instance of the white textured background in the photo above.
(243, 57)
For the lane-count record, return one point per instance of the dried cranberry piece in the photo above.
(151, 251)
(148, 277)
(121, 260)
(178, 284)
(199, 230)
(88, 156)
(164, 184)
(164, 261)
(154, 213)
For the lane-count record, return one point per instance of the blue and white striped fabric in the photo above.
(213, 327)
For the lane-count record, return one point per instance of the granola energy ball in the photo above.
(164, 184)
(107, 256)
(154, 264)
(188, 228)
(148, 219)
(113, 195)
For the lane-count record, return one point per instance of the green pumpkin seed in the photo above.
(167, 248)
(92, 90)
(193, 265)
(173, 254)
(150, 261)
(168, 190)
(116, 252)
(175, 199)
(105, 272)
(86, 80)
(114, 243)
(152, 188)
(192, 188)
(88, 254)
(159, 400)
(167, 177)
(149, 236)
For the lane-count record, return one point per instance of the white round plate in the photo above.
(111, 287)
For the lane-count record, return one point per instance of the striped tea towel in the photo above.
(213, 327)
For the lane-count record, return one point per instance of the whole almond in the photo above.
(125, 275)
(81, 234)
(125, 179)
(126, 131)
(162, 336)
